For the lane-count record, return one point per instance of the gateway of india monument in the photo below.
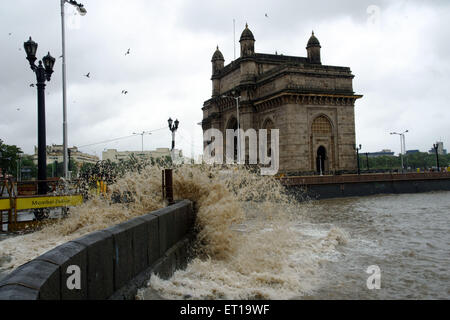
(311, 104)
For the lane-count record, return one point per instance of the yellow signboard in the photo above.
(5, 204)
(48, 202)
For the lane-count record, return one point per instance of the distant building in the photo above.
(440, 149)
(55, 153)
(116, 156)
(384, 152)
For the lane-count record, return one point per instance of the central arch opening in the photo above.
(232, 124)
(321, 136)
(269, 126)
(320, 160)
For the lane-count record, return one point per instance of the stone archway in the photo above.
(232, 124)
(268, 125)
(322, 144)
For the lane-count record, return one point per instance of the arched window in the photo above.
(321, 125)
(322, 144)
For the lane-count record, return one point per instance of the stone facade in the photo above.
(55, 153)
(116, 156)
(311, 104)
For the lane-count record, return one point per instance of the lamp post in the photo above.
(237, 98)
(19, 164)
(173, 127)
(142, 134)
(367, 159)
(357, 156)
(402, 145)
(82, 12)
(435, 146)
(43, 73)
(1, 165)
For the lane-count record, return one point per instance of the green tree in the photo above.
(9, 156)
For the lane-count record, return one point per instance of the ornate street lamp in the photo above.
(49, 63)
(173, 127)
(43, 73)
(436, 146)
(357, 156)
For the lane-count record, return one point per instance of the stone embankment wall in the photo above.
(109, 264)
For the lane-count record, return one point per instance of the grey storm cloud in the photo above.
(401, 65)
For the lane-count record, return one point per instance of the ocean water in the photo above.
(407, 236)
(324, 251)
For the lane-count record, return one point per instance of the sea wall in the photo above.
(107, 264)
(325, 187)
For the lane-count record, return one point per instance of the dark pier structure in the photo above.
(325, 187)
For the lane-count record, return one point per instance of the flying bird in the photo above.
(88, 75)
(32, 85)
(124, 92)
(9, 33)
(18, 109)
(267, 15)
(128, 52)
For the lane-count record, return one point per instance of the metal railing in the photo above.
(17, 198)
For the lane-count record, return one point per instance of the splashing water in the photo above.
(253, 240)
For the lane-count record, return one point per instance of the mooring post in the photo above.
(168, 185)
(163, 185)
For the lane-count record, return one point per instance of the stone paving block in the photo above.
(181, 221)
(18, 292)
(140, 245)
(41, 276)
(166, 221)
(153, 251)
(124, 257)
(66, 255)
(100, 264)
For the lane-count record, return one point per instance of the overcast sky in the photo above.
(398, 51)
